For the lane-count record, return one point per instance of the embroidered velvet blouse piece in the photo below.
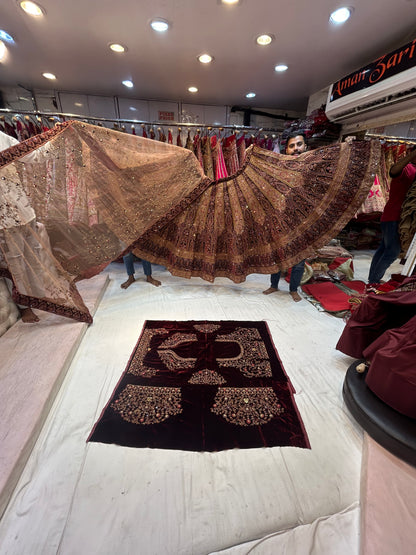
(203, 386)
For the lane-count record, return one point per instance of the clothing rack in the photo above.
(184, 126)
(391, 139)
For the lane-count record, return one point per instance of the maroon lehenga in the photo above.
(97, 193)
(382, 330)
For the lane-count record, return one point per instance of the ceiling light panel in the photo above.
(205, 58)
(116, 47)
(340, 16)
(31, 8)
(3, 50)
(160, 25)
(5, 37)
(264, 40)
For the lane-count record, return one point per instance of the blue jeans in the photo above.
(129, 260)
(386, 253)
(295, 277)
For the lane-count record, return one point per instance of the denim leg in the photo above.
(129, 260)
(274, 280)
(373, 273)
(147, 268)
(296, 276)
(387, 252)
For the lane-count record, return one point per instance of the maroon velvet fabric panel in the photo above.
(202, 386)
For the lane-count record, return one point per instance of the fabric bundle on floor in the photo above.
(97, 193)
(203, 386)
(334, 297)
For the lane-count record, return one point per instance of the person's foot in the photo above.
(128, 282)
(153, 281)
(270, 290)
(295, 296)
(28, 316)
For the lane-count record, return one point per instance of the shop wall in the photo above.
(82, 105)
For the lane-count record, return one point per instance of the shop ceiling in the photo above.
(71, 41)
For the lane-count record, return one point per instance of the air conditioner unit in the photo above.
(383, 88)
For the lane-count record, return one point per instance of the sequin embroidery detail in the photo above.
(247, 406)
(148, 405)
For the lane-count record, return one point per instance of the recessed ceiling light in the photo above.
(128, 83)
(5, 37)
(31, 8)
(49, 75)
(2, 50)
(340, 16)
(192, 89)
(264, 40)
(133, 108)
(250, 95)
(281, 67)
(160, 25)
(205, 58)
(230, 1)
(115, 47)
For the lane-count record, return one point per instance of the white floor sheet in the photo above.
(89, 498)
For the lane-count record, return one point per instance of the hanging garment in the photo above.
(170, 138)
(220, 170)
(375, 201)
(189, 143)
(382, 331)
(207, 158)
(197, 149)
(229, 147)
(241, 150)
(269, 143)
(260, 141)
(10, 130)
(153, 199)
(276, 146)
(178, 138)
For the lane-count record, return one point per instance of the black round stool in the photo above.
(392, 430)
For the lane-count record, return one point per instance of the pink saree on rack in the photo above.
(96, 193)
